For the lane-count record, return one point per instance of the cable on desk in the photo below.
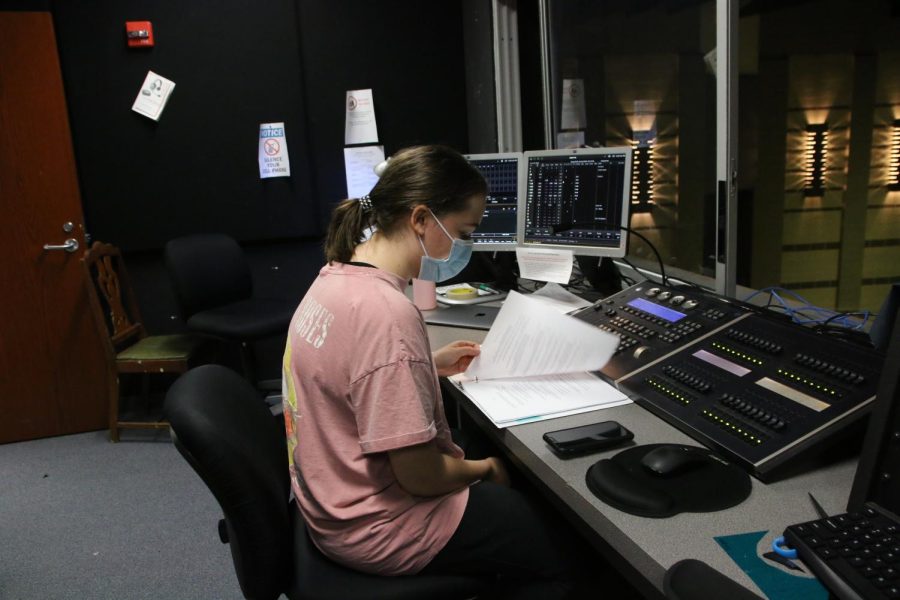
(803, 312)
(662, 267)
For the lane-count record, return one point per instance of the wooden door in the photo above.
(51, 361)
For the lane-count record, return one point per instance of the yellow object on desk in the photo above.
(462, 293)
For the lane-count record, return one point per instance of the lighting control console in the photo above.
(751, 384)
(653, 320)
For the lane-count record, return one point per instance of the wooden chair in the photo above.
(128, 347)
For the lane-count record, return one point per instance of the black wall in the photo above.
(409, 53)
(236, 65)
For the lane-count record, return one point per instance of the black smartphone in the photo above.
(586, 438)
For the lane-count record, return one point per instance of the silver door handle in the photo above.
(70, 245)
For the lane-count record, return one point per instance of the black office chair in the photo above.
(692, 579)
(240, 452)
(214, 290)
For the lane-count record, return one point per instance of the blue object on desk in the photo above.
(781, 549)
(774, 583)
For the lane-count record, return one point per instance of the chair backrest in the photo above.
(112, 300)
(207, 271)
(230, 438)
(691, 579)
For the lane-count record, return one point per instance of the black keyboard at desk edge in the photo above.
(855, 555)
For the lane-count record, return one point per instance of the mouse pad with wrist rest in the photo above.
(624, 483)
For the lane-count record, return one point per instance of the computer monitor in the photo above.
(504, 173)
(876, 477)
(576, 199)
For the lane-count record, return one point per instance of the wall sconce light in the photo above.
(814, 158)
(894, 158)
(642, 172)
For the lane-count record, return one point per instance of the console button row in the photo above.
(829, 369)
(646, 316)
(632, 327)
(687, 327)
(754, 412)
(714, 314)
(755, 341)
(687, 379)
(679, 331)
(625, 341)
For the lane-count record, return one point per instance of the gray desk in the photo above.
(641, 548)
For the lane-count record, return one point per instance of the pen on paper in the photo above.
(526, 419)
(490, 290)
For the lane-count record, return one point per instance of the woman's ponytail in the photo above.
(348, 223)
(436, 176)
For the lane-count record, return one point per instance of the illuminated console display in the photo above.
(672, 316)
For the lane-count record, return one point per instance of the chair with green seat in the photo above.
(128, 347)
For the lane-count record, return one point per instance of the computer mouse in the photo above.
(673, 459)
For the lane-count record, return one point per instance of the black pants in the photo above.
(506, 533)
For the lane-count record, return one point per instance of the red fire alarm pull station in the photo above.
(139, 34)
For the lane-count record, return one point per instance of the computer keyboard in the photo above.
(855, 555)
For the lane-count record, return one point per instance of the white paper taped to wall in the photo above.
(154, 94)
(360, 126)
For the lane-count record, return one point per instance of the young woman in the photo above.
(377, 477)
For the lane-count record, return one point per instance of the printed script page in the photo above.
(529, 338)
(534, 365)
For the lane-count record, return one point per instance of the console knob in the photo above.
(677, 299)
(640, 350)
(653, 291)
(689, 304)
(664, 295)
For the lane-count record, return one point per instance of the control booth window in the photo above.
(817, 126)
(641, 75)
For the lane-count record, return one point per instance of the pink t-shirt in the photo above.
(359, 381)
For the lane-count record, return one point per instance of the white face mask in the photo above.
(436, 269)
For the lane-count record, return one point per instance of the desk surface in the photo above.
(644, 548)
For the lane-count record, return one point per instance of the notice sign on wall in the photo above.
(573, 115)
(273, 152)
(360, 126)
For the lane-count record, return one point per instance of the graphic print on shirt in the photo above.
(289, 401)
(312, 322)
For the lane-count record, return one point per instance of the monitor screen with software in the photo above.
(576, 199)
(503, 173)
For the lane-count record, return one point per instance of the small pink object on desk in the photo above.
(424, 294)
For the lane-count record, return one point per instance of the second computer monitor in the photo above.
(576, 199)
(503, 173)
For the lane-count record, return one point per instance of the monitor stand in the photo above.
(602, 274)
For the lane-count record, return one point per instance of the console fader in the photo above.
(748, 383)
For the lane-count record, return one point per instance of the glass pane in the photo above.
(644, 74)
(819, 106)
